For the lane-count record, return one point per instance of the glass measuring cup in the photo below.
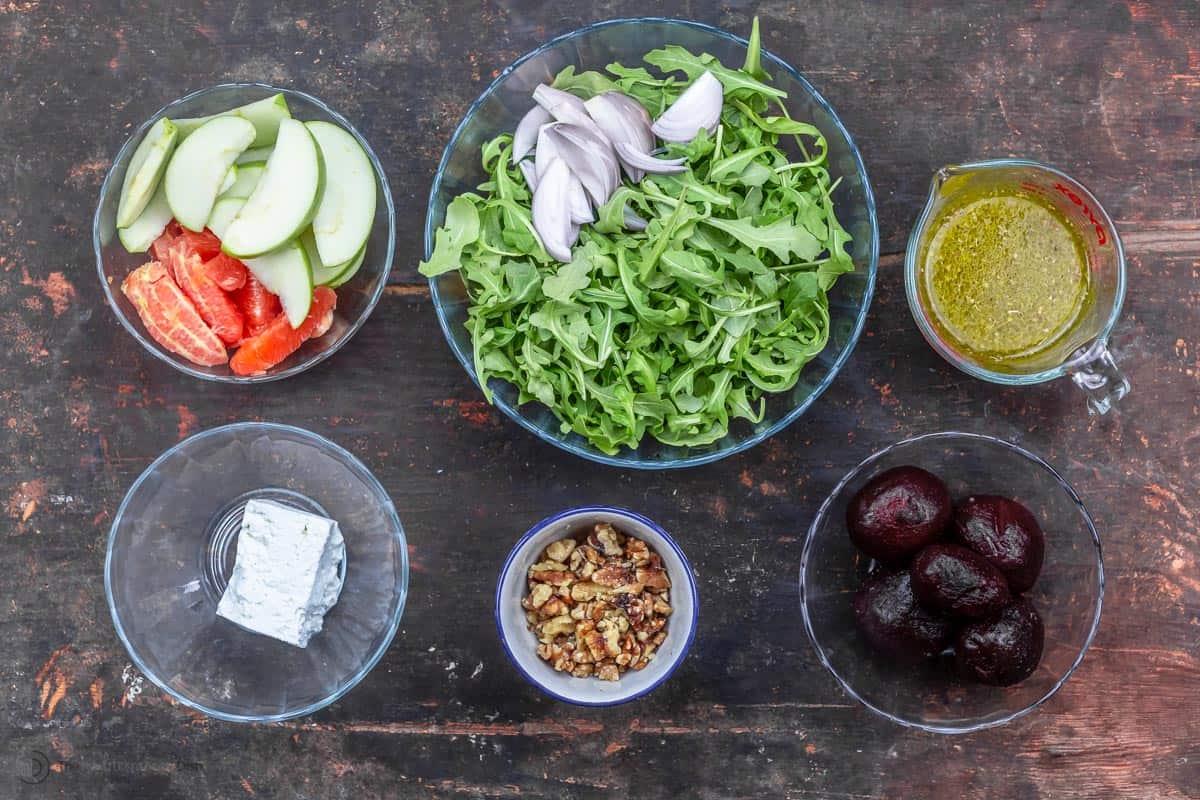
(1083, 351)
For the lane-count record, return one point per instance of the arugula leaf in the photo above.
(781, 237)
(460, 229)
(585, 84)
(673, 57)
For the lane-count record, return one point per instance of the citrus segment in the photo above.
(215, 307)
(258, 305)
(279, 340)
(169, 316)
(226, 271)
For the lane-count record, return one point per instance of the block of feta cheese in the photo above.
(285, 577)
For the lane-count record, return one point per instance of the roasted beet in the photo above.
(956, 580)
(1003, 649)
(894, 623)
(1005, 533)
(898, 512)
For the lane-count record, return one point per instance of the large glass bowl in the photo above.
(627, 40)
(355, 299)
(1068, 593)
(172, 549)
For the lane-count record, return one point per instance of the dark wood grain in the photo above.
(1108, 91)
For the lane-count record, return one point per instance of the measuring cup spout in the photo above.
(1094, 370)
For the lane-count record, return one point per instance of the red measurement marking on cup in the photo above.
(1101, 236)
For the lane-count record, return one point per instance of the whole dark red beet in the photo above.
(894, 623)
(956, 580)
(898, 512)
(1005, 533)
(1003, 649)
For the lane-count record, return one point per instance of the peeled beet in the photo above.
(898, 512)
(954, 580)
(892, 621)
(1005, 533)
(1003, 649)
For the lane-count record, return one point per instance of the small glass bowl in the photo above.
(356, 298)
(521, 645)
(503, 104)
(1068, 594)
(172, 549)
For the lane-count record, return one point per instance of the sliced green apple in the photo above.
(245, 179)
(323, 274)
(287, 273)
(285, 199)
(347, 211)
(264, 115)
(350, 271)
(145, 170)
(255, 154)
(223, 212)
(149, 225)
(200, 166)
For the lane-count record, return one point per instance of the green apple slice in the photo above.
(350, 271)
(285, 199)
(224, 210)
(145, 169)
(287, 273)
(347, 211)
(149, 225)
(326, 275)
(245, 179)
(265, 115)
(255, 154)
(199, 168)
(229, 180)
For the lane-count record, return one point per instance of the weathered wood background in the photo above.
(1109, 91)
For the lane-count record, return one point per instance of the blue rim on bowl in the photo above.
(177, 361)
(385, 642)
(807, 557)
(625, 458)
(517, 551)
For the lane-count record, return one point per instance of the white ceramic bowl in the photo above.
(521, 645)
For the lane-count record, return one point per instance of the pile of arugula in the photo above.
(673, 331)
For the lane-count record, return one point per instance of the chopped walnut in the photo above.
(598, 603)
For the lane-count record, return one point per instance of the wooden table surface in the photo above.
(1110, 92)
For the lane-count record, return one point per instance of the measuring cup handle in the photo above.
(1095, 371)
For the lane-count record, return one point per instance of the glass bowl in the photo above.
(356, 298)
(172, 549)
(1068, 593)
(521, 644)
(627, 40)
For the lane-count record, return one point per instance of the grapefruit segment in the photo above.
(279, 340)
(158, 250)
(170, 317)
(258, 305)
(205, 244)
(215, 307)
(226, 272)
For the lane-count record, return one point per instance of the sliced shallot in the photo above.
(648, 163)
(530, 172)
(551, 214)
(565, 107)
(623, 120)
(699, 107)
(632, 221)
(527, 132)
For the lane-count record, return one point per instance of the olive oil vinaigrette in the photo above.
(1005, 276)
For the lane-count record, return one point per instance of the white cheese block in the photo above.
(285, 578)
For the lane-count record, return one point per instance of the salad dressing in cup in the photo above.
(1016, 275)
